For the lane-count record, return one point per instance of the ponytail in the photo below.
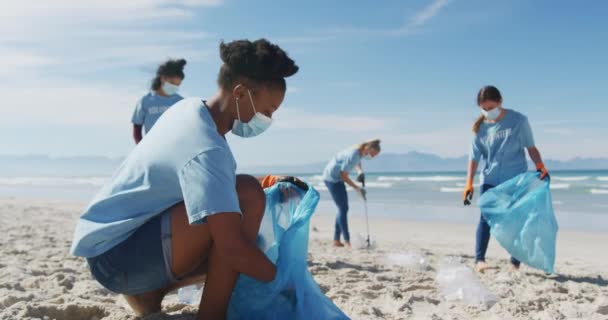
(371, 144)
(478, 123)
(156, 83)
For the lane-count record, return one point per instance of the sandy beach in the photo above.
(40, 280)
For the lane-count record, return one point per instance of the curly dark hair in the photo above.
(170, 68)
(259, 61)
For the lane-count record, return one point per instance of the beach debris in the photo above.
(458, 282)
(359, 242)
(410, 260)
(190, 294)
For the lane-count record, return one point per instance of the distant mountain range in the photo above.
(426, 162)
(43, 165)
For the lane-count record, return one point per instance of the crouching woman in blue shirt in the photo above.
(175, 212)
(501, 137)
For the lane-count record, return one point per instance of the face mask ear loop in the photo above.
(251, 99)
(238, 113)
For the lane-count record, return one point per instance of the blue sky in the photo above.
(403, 71)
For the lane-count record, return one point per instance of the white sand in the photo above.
(40, 280)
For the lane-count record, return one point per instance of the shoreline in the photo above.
(460, 239)
(459, 216)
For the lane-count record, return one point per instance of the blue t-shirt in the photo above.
(344, 161)
(183, 159)
(150, 107)
(502, 146)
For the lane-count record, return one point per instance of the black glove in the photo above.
(295, 181)
(363, 193)
(361, 178)
(547, 176)
(468, 198)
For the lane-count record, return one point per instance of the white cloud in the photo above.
(138, 55)
(429, 12)
(63, 58)
(412, 26)
(16, 61)
(201, 2)
(12, 11)
(88, 35)
(68, 104)
(294, 119)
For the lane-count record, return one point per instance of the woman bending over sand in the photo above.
(336, 176)
(175, 210)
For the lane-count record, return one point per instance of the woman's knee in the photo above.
(343, 208)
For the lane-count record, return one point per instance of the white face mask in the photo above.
(169, 88)
(258, 124)
(492, 114)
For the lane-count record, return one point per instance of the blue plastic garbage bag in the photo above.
(521, 218)
(283, 238)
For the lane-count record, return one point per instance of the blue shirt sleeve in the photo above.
(525, 134)
(208, 185)
(139, 114)
(350, 162)
(475, 152)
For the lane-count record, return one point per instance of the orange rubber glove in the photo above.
(269, 181)
(467, 194)
(540, 167)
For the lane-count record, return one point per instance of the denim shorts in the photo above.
(141, 263)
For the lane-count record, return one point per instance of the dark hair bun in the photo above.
(180, 63)
(169, 68)
(172, 68)
(259, 60)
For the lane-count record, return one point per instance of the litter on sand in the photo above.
(190, 294)
(458, 282)
(409, 260)
(359, 242)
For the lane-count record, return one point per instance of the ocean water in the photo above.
(580, 198)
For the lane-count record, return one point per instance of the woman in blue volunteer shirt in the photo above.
(163, 95)
(501, 137)
(175, 212)
(336, 176)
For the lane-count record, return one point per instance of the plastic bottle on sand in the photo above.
(189, 295)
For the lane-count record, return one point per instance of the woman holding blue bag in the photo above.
(501, 138)
(176, 213)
